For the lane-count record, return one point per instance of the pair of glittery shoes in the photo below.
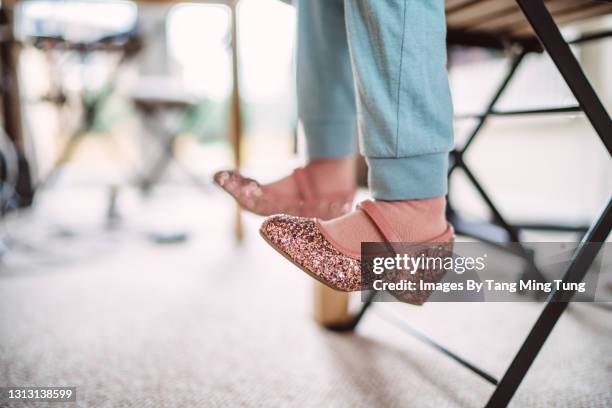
(330, 306)
(307, 245)
(295, 232)
(251, 197)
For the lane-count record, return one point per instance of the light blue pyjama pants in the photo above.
(378, 67)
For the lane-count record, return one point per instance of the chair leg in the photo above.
(458, 163)
(156, 171)
(555, 306)
(548, 32)
(534, 272)
(515, 62)
(593, 240)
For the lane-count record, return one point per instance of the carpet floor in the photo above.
(207, 322)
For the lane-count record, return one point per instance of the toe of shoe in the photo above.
(285, 231)
(222, 177)
(300, 239)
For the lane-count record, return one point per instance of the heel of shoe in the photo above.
(433, 274)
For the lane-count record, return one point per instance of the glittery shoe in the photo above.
(303, 242)
(251, 197)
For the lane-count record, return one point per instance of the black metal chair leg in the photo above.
(555, 306)
(548, 32)
(458, 163)
(499, 219)
(594, 238)
(514, 64)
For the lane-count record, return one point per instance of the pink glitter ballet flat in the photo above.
(251, 197)
(303, 242)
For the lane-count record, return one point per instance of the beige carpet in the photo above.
(207, 322)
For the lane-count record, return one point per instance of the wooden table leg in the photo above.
(331, 307)
(235, 113)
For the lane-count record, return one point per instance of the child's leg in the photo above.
(398, 53)
(404, 114)
(404, 105)
(326, 97)
(326, 109)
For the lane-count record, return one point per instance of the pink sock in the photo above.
(325, 176)
(412, 220)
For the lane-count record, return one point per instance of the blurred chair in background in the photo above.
(164, 106)
(124, 46)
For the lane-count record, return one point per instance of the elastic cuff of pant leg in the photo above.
(330, 139)
(408, 178)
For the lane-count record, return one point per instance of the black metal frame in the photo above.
(555, 45)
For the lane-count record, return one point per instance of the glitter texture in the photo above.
(249, 194)
(300, 240)
(433, 275)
